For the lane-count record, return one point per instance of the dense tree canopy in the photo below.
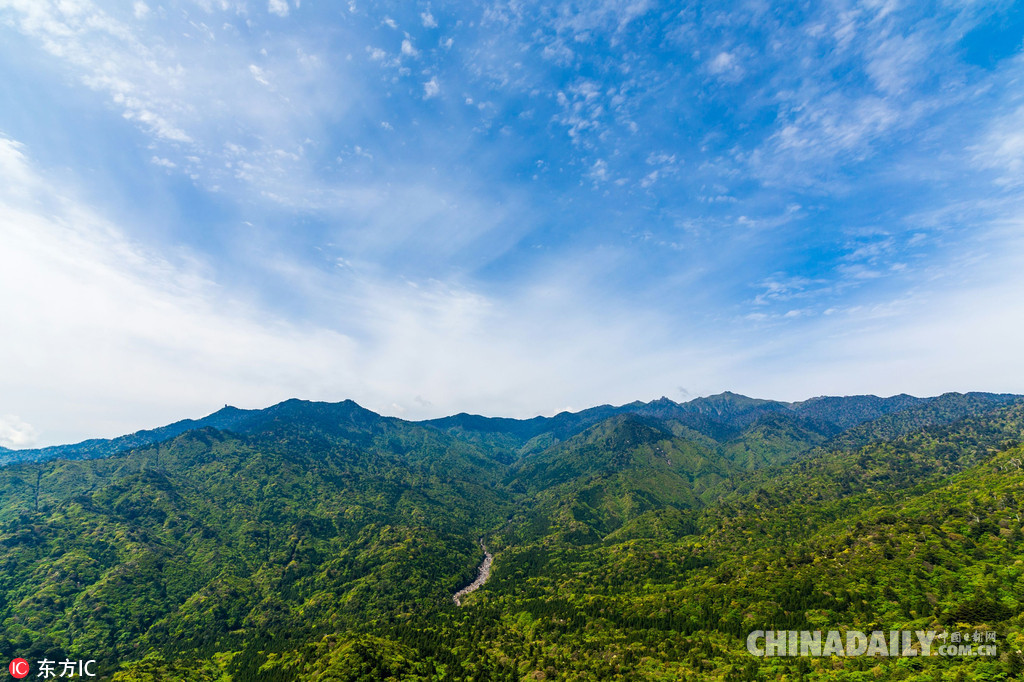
(314, 541)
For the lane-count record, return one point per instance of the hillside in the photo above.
(323, 541)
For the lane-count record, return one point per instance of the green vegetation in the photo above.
(314, 541)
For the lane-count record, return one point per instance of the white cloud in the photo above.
(825, 131)
(725, 63)
(112, 337)
(140, 9)
(407, 48)
(660, 159)
(99, 319)
(21, 182)
(952, 337)
(278, 7)
(599, 171)
(781, 287)
(99, 47)
(15, 433)
(614, 15)
(186, 95)
(428, 20)
(431, 88)
(258, 74)
(583, 110)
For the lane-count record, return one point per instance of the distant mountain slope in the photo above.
(775, 438)
(728, 416)
(849, 411)
(944, 409)
(614, 471)
(827, 482)
(225, 419)
(298, 415)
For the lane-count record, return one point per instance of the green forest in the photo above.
(321, 541)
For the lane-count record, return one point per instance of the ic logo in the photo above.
(18, 668)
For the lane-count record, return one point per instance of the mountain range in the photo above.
(719, 416)
(643, 541)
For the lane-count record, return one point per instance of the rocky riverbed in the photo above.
(483, 573)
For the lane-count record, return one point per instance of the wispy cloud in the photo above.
(186, 92)
(258, 74)
(278, 7)
(431, 88)
(1002, 149)
(726, 65)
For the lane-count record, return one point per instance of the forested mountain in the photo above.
(324, 541)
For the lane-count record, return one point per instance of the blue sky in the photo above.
(503, 208)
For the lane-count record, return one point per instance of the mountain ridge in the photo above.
(717, 414)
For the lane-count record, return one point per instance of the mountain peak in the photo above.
(626, 431)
